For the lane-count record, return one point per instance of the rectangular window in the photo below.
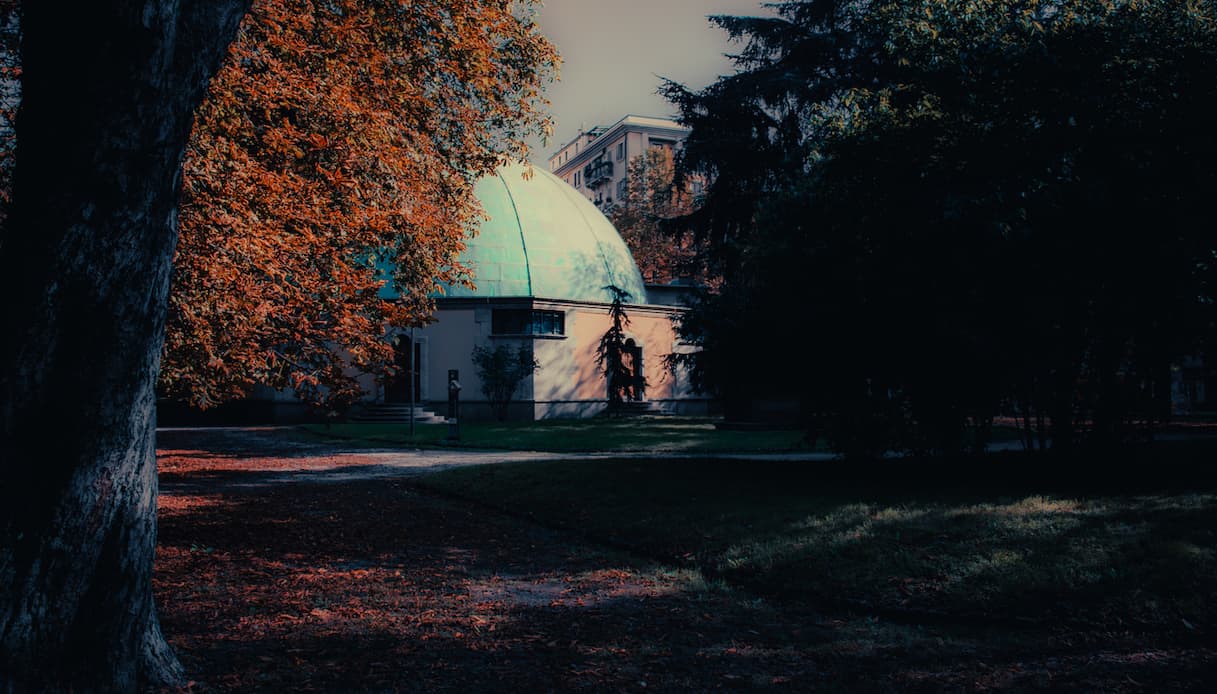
(576, 179)
(522, 321)
(622, 187)
(656, 143)
(621, 150)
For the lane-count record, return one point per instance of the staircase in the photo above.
(396, 413)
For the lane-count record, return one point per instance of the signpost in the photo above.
(454, 403)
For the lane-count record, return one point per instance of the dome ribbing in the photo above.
(543, 239)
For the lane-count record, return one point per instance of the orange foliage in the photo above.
(652, 197)
(341, 138)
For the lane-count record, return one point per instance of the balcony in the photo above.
(597, 173)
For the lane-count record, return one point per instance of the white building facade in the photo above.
(596, 161)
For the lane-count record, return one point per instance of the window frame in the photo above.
(527, 322)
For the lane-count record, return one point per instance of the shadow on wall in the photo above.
(570, 410)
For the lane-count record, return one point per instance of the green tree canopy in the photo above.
(501, 371)
(971, 207)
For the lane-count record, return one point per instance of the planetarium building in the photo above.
(541, 264)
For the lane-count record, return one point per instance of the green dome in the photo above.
(544, 239)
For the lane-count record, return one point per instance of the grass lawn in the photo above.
(971, 543)
(667, 434)
(283, 567)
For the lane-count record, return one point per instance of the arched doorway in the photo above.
(401, 386)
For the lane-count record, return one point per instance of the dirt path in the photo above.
(352, 578)
(261, 455)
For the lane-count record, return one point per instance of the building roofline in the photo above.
(458, 302)
(639, 120)
(588, 153)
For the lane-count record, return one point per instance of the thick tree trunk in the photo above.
(108, 93)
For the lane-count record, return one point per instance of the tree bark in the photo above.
(108, 93)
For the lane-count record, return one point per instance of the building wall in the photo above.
(450, 341)
(448, 344)
(569, 382)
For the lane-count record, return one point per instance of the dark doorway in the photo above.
(405, 383)
(633, 362)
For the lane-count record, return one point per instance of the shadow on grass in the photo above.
(1007, 539)
(249, 443)
(1145, 563)
(589, 435)
(372, 585)
(217, 481)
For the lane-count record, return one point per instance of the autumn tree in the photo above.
(328, 185)
(107, 93)
(652, 198)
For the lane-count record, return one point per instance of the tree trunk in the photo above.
(108, 93)
(1062, 404)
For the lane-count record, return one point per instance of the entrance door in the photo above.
(402, 385)
(633, 362)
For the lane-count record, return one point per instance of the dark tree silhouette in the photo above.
(622, 378)
(967, 210)
(108, 92)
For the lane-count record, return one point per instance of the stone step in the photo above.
(398, 420)
(393, 412)
(393, 409)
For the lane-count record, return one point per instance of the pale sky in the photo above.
(614, 53)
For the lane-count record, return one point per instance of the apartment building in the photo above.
(595, 162)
